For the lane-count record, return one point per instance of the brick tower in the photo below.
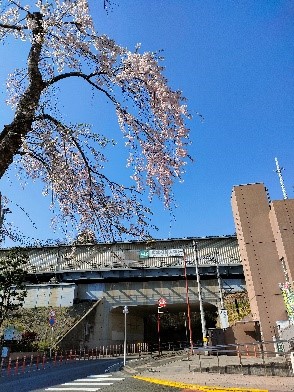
(265, 232)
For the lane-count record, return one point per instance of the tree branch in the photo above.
(13, 27)
(87, 78)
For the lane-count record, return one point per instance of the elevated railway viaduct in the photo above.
(134, 274)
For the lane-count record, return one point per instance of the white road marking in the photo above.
(73, 389)
(92, 382)
(80, 384)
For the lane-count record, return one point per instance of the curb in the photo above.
(139, 365)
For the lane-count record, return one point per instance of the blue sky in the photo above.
(233, 60)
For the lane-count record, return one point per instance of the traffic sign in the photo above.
(52, 317)
(162, 302)
(52, 321)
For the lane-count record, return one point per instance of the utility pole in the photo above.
(223, 314)
(202, 314)
(188, 306)
(219, 281)
(279, 172)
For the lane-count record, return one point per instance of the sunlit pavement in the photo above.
(182, 374)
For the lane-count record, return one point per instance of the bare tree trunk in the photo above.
(12, 135)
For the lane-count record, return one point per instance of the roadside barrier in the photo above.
(20, 365)
(16, 366)
(24, 360)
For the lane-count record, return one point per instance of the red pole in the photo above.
(16, 366)
(2, 365)
(158, 329)
(31, 362)
(24, 363)
(9, 366)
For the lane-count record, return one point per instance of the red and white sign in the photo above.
(162, 302)
(52, 317)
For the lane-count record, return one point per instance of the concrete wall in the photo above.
(47, 295)
(148, 293)
(106, 325)
(244, 332)
(282, 222)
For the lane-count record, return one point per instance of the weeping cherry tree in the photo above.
(62, 44)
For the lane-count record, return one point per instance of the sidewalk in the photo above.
(194, 370)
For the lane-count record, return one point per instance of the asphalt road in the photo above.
(103, 375)
(50, 377)
(84, 376)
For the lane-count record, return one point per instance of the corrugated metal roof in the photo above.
(211, 250)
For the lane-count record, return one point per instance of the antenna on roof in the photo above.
(279, 172)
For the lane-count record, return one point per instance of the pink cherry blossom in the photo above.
(70, 158)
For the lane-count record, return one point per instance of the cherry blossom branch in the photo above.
(151, 116)
(36, 156)
(87, 78)
(89, 167)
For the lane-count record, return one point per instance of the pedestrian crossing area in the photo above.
(89, 384)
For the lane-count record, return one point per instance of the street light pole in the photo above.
(202, 315)
(125, 312)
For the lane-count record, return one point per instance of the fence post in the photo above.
(9, 366)
(24, 363)
(2, 365)
(16, 366)
(44, 360)
(254, 349)
(31, 362)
